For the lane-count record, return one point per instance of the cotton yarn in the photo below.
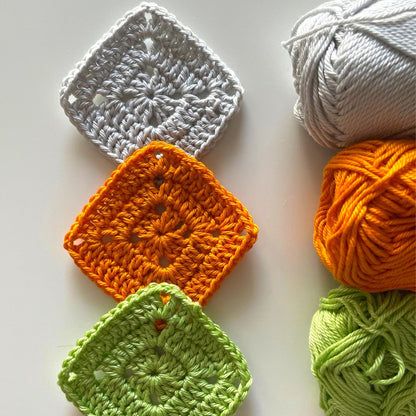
(365, 224)
(354, 70)
(363, 353)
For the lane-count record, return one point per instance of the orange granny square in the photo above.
(161, 217)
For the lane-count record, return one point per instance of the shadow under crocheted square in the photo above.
(161, 217)
(156, 354)
(150, 78)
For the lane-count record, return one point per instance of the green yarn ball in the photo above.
(363, 349)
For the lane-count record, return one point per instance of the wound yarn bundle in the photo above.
(363, 353)
(365, 224)
(354, 70)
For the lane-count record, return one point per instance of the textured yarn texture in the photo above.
(365, 227)
(150, 78)
(156, 354)
(363, 353)
(161, 217)
(354, 70)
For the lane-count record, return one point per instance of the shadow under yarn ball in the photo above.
(354, 70)
(362, 347)
(365, 226)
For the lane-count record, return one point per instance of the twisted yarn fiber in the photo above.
(365, 227)
(156, 354)
(161, 217)
(363, 353)
(150, 78)
(354, 70)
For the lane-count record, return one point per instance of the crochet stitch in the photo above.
(150, 78)
(161, 217)
(156, 354)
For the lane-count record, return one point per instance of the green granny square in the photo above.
(155, 354)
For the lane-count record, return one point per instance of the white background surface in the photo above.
(48, 171)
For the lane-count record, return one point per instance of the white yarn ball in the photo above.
(354, 69)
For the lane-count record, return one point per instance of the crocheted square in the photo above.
(150, 78)
(156, 354)
(161, 217)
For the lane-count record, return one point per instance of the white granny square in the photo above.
(150, 78)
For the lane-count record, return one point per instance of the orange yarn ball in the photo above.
(365, 225)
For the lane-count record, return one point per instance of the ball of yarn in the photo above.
(365, 224)
(363, 353)
(354, 70)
